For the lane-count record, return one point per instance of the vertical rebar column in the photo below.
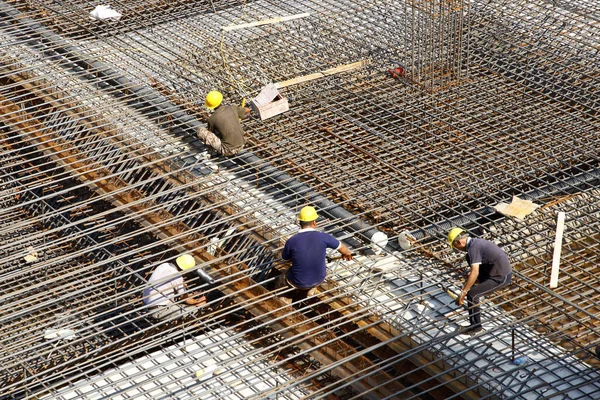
(436, 40)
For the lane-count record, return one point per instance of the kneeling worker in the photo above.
(307, 250)
(224, 133)
(166, 293)
(490, 271)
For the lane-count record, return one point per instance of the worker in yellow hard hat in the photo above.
(224, 133)
(490, 271)
(167, 294)
(213, 99)
(307, 252)
(308, 214)
(453, 235)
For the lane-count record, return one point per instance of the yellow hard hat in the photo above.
(213, 99)
(453, 234)
(307, 214)
(185, 262)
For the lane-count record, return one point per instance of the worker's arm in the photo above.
(285, 253)
(191, 300)
(470, 282)
(346, 254)
(210, 126)
(243, 112)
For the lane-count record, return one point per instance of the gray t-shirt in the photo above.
(492, 260)
(225, 123)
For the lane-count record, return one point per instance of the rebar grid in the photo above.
(92, 150)
(348, 136)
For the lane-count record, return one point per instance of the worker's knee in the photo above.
(210, 139)
(227, 151)
(202, 132)
(473, 298)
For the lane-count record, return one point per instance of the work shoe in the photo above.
(286, 300)
(311, 292)
(470, 331)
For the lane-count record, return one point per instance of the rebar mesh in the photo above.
(103, 179)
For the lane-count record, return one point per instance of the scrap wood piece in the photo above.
(558, 199)
(264, 22)
(316, 75)
(518, 208)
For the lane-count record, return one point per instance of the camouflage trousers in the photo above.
(212, 140)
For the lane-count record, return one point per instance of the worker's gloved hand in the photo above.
(346, 257)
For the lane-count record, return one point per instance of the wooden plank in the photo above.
(560, 227)
(317, 75)
(264, 22)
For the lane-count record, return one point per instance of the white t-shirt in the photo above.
(160, 288)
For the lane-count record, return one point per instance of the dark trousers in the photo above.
(296, 294)
(485, 287)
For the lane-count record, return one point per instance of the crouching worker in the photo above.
(225, 133)
(307, 250)
(166, 293)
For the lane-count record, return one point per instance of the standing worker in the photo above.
(307, 250)
(166, 293)
(490, 271)
(224, 133)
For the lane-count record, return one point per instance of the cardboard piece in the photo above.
(517, 208)
(269, 102)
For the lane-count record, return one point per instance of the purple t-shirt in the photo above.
(307, 250)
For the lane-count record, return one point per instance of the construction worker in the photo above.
(166, 293)
(490, 271)
(307, 251)
(224, 133)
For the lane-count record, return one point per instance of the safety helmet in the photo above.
(307, 214)
(453, 234)
(185, 262)
(213, 99)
